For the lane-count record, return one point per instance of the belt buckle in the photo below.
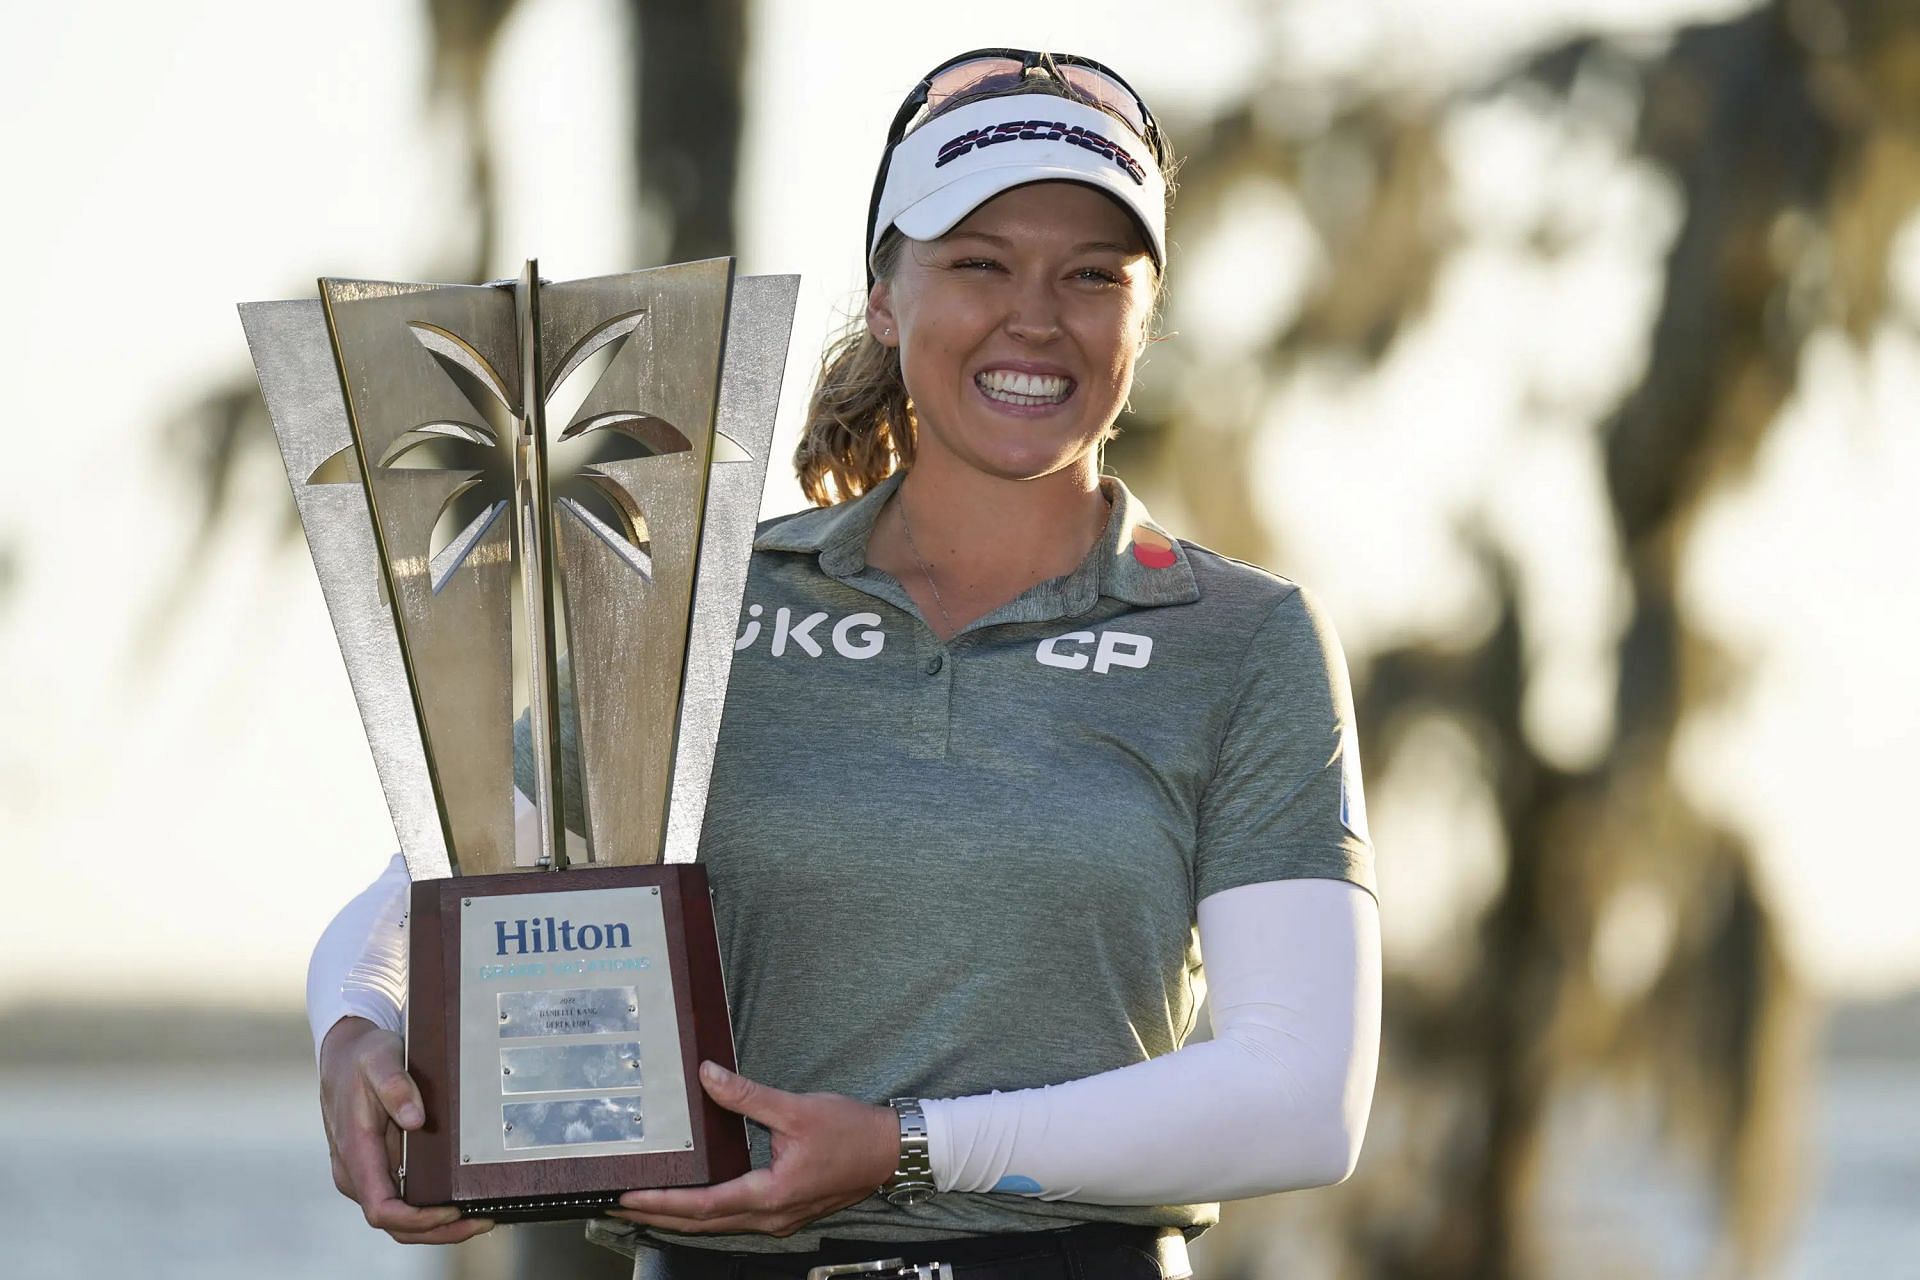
(894, 1268)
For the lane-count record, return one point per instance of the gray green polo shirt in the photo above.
(944, 868)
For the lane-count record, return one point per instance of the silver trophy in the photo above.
(555, 1020)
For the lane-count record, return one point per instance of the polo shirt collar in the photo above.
(1134, 561)
(837, 534)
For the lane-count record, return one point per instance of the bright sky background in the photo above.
(183, 811)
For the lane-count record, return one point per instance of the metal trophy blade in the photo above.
(558, 1005)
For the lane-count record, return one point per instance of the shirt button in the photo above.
(935, 663)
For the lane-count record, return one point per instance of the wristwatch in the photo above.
(912, 1180)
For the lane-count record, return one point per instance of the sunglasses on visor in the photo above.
(985, 71)
(1000, 70)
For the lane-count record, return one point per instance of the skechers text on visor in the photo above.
(958, 160)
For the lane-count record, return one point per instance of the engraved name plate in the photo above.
(574, 1011)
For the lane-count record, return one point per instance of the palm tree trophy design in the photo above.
(616, 531)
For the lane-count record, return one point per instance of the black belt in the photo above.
(1096, 1251)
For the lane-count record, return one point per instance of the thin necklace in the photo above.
(907, 526)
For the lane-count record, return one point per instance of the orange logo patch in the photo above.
(1152, 548)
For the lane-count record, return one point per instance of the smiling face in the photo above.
(1018, 331)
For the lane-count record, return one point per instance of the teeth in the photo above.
(1023, 388)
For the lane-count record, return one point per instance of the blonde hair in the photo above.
(860, 423)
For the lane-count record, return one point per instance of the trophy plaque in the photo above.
(564, 984)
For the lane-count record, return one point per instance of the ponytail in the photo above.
(860, 422)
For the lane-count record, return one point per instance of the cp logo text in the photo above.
(1110, 649)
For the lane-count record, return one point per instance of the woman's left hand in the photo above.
(829, 1151)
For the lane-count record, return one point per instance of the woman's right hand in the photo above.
(366, 1099)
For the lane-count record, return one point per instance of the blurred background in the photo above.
(1570, 349)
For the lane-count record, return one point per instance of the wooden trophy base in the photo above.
(556, 1027)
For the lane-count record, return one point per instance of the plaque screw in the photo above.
(688, 1143)
(509, 1126)
(466, 1159)
(506, 1071)
(633, 1008)
(466, 902)
(655, 891)
(503, 1017)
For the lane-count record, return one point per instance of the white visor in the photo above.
(960, 159)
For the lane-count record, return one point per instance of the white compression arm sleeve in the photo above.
(1278, 1100)
(359, 966)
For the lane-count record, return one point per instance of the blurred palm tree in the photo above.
(1791, 136)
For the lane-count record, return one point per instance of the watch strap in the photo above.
(912, 1180)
